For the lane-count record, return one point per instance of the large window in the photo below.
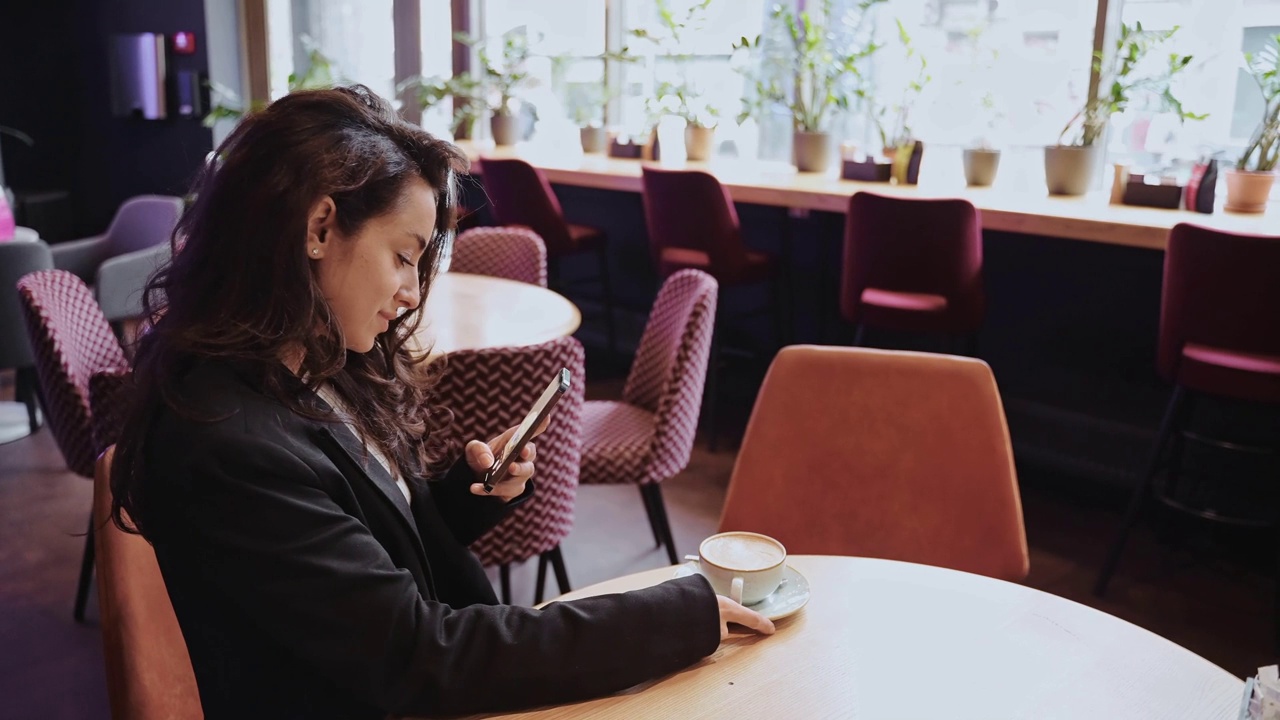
(356, 36)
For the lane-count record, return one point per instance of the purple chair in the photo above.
(141, 222)
(519, 194)
(1220, 337)
(512, 253)
(71, 341)
(647, 437)
(912, 265)
(693, 225)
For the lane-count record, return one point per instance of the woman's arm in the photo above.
(269, 536)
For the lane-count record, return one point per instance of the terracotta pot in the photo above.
(697, 141)
(1248, 190)
(504, 129)
(811, 151)
(594, 139)
(1070, 169)
(980, 166)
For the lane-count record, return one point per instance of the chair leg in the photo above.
(606, 286)
(504, 578)
(1170, 424)
(781, 310)
(654, 490)
(557, 564)
(24, 391)
(86, 573)
(712, 400)
(542, 579)
(653, 519)
(859, 334)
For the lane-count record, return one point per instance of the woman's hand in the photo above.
(732, 612)
(480, 456)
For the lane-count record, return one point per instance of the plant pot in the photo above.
(594, 139)
(1070, 169)
(1248, 190)
(980, 166)
(811, 151)
(504, 129)
(697, 141)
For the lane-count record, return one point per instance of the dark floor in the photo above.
(1212, 594)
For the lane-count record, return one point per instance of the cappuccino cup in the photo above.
(745, 567)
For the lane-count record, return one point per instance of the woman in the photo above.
(280, 459)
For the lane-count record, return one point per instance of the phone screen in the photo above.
(501, 466)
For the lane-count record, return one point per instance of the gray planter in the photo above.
(594, 139)
(505, 129)
(1070, 169)
(980, 166)
(811, 152)
(697, 141)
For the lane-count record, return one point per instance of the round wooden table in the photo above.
(472, 312)
(884, 639)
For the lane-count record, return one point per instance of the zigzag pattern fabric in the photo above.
(110, 398)
(513, 253)
(489, 391)
(71, 341)
(648, 437)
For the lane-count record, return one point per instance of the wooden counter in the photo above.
(1033, 212)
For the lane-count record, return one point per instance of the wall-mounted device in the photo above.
(138, 76)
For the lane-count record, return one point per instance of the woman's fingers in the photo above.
(732, 612)
(479, 455)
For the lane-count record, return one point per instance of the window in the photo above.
(356, 36)
(1215, 33)
(1008, 72)
(436, 37)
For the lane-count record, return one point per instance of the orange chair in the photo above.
(149, 673)
(885, 454)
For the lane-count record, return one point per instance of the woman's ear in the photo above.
(320, 221)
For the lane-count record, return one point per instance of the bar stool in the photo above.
(693, 225)
(1219, 337)
(519, 194)
(913, 265)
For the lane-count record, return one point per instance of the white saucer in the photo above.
(787, 600)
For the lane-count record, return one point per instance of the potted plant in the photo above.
(586, 101)
(981, 159)
(817, 76)
(227, 105)
(466, 92)
(1070, 165)
(1249, 182)
(897, 136)
(501, 80)
(680, 96)
(981, 156)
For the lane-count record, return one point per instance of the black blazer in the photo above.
(307, 588)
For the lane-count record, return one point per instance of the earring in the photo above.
(315, 251)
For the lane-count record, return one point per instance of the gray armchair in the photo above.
(141, 222)
(121, 279)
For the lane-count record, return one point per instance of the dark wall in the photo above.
(55, 85)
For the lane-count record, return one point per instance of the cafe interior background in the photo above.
(1071, 323)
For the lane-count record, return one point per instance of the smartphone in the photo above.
(523, 434)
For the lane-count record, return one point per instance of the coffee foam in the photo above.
(742, 552)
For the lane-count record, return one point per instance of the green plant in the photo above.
(465, 91)
(229, 106)
(1118, 86)
(501, 78)
(818, 76)
(585, 101)
(901, 134)
(1263, 151)
(679, 96)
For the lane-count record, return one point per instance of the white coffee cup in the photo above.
(745, 567)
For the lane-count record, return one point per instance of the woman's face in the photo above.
(369, 278)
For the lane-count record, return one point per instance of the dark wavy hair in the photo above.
(240, 287)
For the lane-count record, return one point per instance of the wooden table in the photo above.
(1033, 212)
(882, 639)
(471, 312)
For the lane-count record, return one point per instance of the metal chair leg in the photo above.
(504, 578)
(660, 510)
(859, 335)
(86, 573)
(542, 579)
(24, 391)
(557, 564)
(653, 519)
(1173, 419)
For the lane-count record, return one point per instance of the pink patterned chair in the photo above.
(489, 391)
(71, 341)
(648, 436)
(514, 253)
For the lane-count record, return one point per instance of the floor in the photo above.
(1212, 594)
